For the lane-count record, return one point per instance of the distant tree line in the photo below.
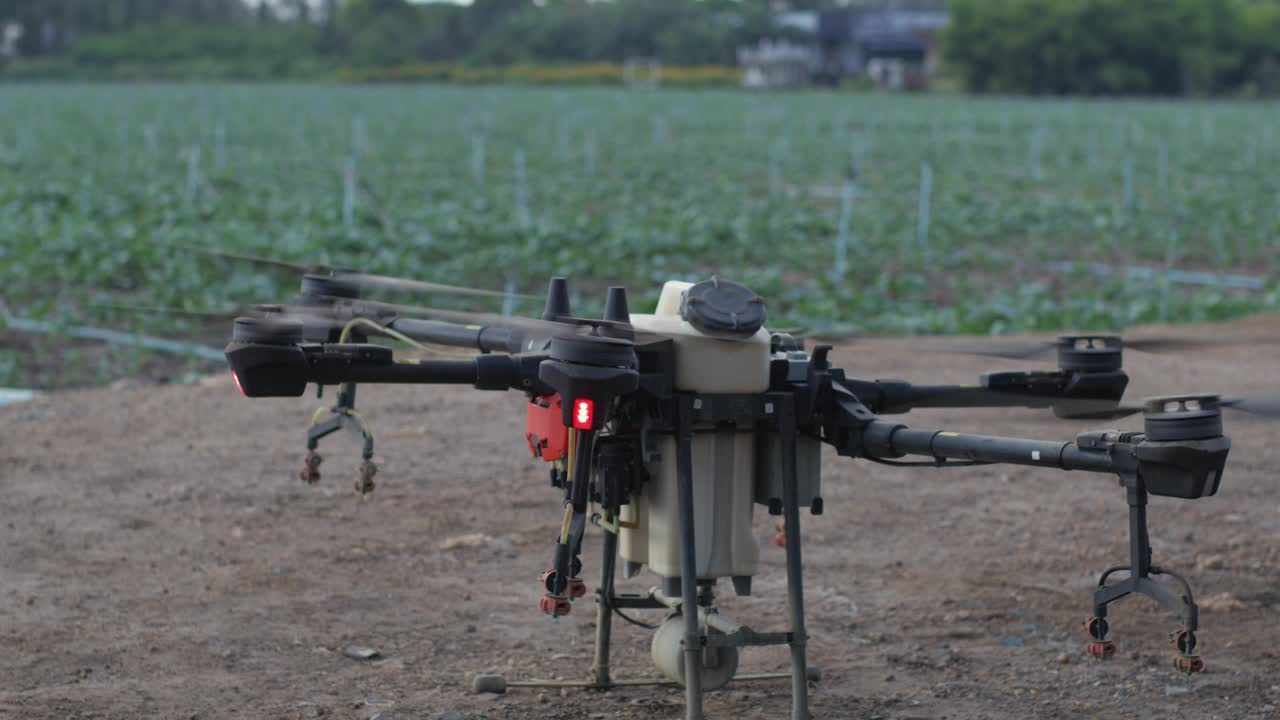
(1090, 47)
(1116, 47)
(296, 37)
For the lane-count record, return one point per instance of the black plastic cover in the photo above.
(593, 350)
(1182, 417)
(323, 288)
(722, 307)
(1188, 469)
(268, 370)
(267, 331)
(1090, 353)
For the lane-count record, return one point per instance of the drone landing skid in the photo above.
(1140, 582)
(707, 641)
(721, 637)
(343, 417)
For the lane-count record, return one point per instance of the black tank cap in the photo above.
(722, 307)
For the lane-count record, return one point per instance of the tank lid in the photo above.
(721, 307)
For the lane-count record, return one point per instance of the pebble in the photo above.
(1268, 708)
(1063, 659)
(1222, 602)
(449, 715)
(469, 540)
(361, 652)
(1211, 562)
(1172, 690)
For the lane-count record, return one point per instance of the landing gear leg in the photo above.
(1140, 581)
(344, 416)
(688, 562)
(795, 570)
(604, 612)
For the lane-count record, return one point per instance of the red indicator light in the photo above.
(239, 387)
(584, 413)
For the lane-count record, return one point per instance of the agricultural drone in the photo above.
(664, 430)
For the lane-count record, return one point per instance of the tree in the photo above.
(1116, 47)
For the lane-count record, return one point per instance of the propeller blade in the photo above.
(256, 260)
(540, 331)
(1016, 349)
(1095, 409)
(384, 282)
(364, 279)
(1264, 405)
(1185, 343)
(113, 336)
(179, 312)
(834, 334)
(1011, 348)
(322, 315)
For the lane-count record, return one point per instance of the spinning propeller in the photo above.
(1020, 349)
(1087, 385)
(360, 279)
(1262, 405)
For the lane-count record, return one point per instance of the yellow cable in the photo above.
(364, 426)
(570, 452)
(568, 507)
(365, 322)
(564, 526)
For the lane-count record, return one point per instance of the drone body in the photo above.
(665, 430)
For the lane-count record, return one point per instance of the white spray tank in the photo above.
(733, 467)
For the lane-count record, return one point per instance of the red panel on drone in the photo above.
(545, 429)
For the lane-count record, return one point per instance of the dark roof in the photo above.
(882, 29)
(838, 24)
(893, 42)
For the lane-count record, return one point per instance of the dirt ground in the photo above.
(159, 558)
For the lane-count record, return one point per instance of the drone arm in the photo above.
(1068, 393)
(893, 397)
(1181, 453)
(479, 337)
(283, 370)
(883, 439)
(435, 372)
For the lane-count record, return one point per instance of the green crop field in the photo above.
(887, 214)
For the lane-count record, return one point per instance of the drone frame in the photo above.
(1181, 453)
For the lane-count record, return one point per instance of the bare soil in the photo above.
(159, 558)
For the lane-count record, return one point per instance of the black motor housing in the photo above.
(1185, 451)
